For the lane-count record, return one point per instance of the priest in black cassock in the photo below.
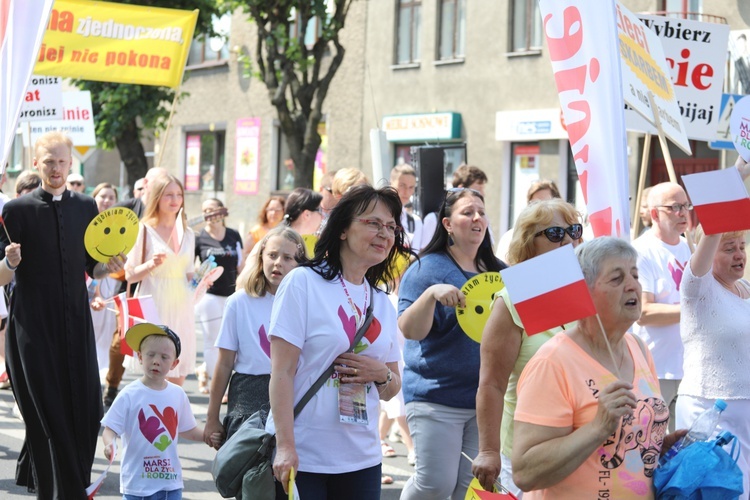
(50, 351)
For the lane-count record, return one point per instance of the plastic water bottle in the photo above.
(701, 430)
(705, 425)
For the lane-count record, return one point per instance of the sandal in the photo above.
(387, 450)
(385, 479)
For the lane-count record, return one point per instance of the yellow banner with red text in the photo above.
(118, 43)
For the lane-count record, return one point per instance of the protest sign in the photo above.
(111, 42)
(583, 49)
(645, 71)
(43, 99)
(696, 55)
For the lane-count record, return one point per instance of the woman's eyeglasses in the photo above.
(376, 226)
(556, 233)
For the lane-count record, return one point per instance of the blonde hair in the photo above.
(52, 139)
(257, 283)
(345, 179)
(534, 218)
(156, 191)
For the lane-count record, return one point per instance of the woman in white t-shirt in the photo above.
(334, 443)
(243, 337)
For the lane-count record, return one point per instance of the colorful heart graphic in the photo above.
(169, 419)
(349, 323)
(163, 443)
(373, 332)
(150, 427)
(265, 344)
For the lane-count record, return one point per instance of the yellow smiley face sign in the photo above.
(479, 291)
(111, 233)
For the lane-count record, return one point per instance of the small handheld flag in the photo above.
(720, 200)
(549, 290)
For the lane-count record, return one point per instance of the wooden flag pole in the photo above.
(609, 348)
(169, 125)
(667, 158)
(641, 185)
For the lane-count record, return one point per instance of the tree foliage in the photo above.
(122, 112)
(297, 75)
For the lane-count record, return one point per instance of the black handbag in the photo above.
(243, 463)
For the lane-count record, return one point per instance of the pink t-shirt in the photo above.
(559, 388)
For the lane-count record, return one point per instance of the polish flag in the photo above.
(720, 200)
(548, 290)
(131, 311)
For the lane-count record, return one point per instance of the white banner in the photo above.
(644, 70)
(696, 53)
(583, 47)
(22, 27)
(43, 99)
(77, 121)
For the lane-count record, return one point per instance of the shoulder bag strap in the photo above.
(327, 374)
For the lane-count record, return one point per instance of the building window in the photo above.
(452, 29)
(409, 31)
(285, 164)
(682, 7)
(214, 49)
(204, 161)
(527, 26)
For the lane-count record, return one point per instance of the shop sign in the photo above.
(422, 127)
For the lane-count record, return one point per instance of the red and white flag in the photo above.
(22, 27)
(549, 290)
(585, 54)
(720, 200)
(131, 311)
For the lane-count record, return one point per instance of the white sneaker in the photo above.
(17, 412)
(411, 458)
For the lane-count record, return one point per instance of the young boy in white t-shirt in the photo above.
(150, 414)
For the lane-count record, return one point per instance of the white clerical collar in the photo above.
(56, 197)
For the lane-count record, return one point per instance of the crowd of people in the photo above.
(580, 410)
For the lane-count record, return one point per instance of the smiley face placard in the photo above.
(111, 233)
(478, 291)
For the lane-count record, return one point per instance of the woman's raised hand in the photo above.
(158, 259)
(615, 401)
(448, 295)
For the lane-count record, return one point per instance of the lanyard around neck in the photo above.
(359, 314)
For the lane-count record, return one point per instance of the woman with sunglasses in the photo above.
(334, 443)
(441, 371)
(541, 227)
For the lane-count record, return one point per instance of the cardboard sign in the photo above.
(645, 70)
(77, 120)
(696, 54)
(43, 99)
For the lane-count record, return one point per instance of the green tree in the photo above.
(123, 112)
(297, 75)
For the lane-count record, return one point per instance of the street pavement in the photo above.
(196, 457)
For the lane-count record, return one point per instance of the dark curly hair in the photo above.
(327, 259)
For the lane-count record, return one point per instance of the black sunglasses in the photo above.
(556, 234)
